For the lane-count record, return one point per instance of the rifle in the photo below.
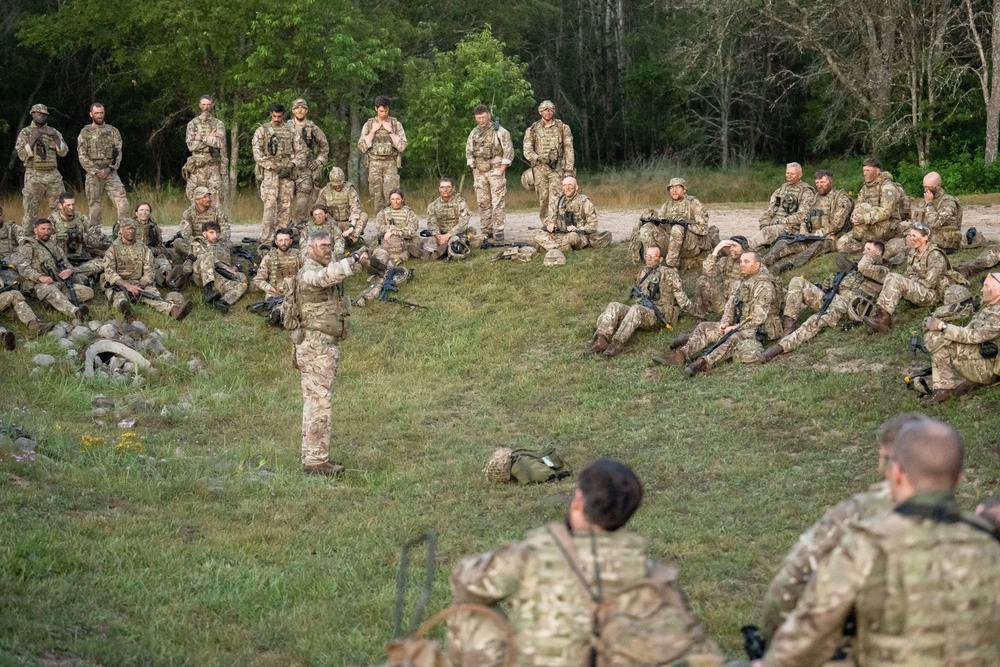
(170, 243)
(389, 285)
(247, 255)
(726, 336)
(224, 271)
(753, 643)
(912, 381)
(486, 244)
(53, 273)
(143, 294)
(667, 221)
(832, 292)
(13, 285)
(646, 301)
(267, 305)
(916, 344)
(801, 238)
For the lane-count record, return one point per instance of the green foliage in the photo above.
(959, 176)
(442, 92)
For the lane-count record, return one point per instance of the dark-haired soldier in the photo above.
(278, 152)
(830, 213)
(382, 143)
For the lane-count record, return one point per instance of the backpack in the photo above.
(535, 467)
(647, 624)
(291, 317)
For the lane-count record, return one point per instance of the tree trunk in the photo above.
(234, 161)
(354, 171)
(993, 103)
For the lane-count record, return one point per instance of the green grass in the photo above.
(209, 547)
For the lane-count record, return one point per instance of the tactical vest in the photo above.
(69, 234)
(397, 217)
(933, 598)
(308, 132)
(206, 127)
(148, 234)
(382, 144)
(323, 309)
(279, 143)
(338, 204)
(98, 144)
(44, 150)
(129, 260)
(857, 283)
(197, 219)
(677, 210)
(485, 147)
(790, 198)
(282, 265)
(549, 143)
(446, 213)
(40, 257)
(8, 239)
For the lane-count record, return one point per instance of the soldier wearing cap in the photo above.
(279, 152)
(382, 143)
(341, 201)
(489, 152)
(129, 277)
(308, 177)
(679, 241)
(38, 145)
(786, 209)
(963, 358)
(548, 147)
(830, 214)
(100, 151)
(208, 165)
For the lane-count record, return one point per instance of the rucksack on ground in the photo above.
(537, 466)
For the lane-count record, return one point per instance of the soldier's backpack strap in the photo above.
(940, 514)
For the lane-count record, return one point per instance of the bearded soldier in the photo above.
(572, 221)
(277, 265)
(81, 240)
(786, 208)
(193, 220)
(45, 272)
(341, 202)
(489, 152)
(827, 218)
(308, 176)
(214, 270)
(382, 143)
(548, 147)
(100, 150)
(208, 164)
(38, 145)
(279, 152)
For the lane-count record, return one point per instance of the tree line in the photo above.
(722, 82)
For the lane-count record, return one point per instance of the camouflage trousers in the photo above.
(548, 185)
(375, 282)
(355, 239)
(491, 196)
(987, 259)
(801, 293)
(564, 242)
(57, 296)
(276, 194)
(854, 241)
(709, 297)
(953, 362)
(95, 188)
(231, 290)
(306, 193)
(816, 322)
(708, 333)
(117, 297)
(161, 267)
(14, 299)
(767, 235)
(803, 251)
(210, 175)
(39, 185)
(676, 242)
(383, 176)
(620, 321)
(318, 359)
(897, 287)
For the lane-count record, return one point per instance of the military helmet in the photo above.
(458, 248)
(749, 351)
(528, 179)
(546, 104)
(40, 108)
(742, 240)
(337, 176)
(956, 294)
(554, 257)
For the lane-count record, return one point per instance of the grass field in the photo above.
(199, 542)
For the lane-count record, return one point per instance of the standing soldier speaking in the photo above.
(489, 152)
(308, 177)
(38, 145)
(548, 146)
(382, 142)
(208, 163)
(100, 150)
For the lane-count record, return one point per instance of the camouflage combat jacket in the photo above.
(866, 280)
(344, 206)
(380, 147)
(829, 214)
(41, 157)
(192, 221)
(758, 300)
(76, 236)
(315, 142)
(724, 269)
(11, 237)
(788, 206)
(99, 147)
(131, 263)
(276, 146)
(878, 202)
(274, 268)
(202, 152)
(929, 268)
(323, 305)
(662, 285)
(550, 147)
(33, 257)
(448, 217)
(486, 149)
(984, 326)
(577, 210)
(689, 209)
(943, 216)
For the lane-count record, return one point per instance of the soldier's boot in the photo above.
(964, 388)
(7, 337)
(680, 341)
(782, 266)
(965, 270)
(221, 306)
(771, 353)
(844, 262)
(209, 293)
(699, 365)
(82, 313)
(178, 278)
(941, 395)
(498, 237)
(36, 327)
(787, 325)
(598, 343)
(880, 320)
(179, 312)
(328, 468)
(126, 310)
(614, 349)
(675, 358)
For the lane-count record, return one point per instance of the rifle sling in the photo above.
(940, 514)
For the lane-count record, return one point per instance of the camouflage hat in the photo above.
(337, 176)
(677, 181)
(40, 108)
(300, 103)
(528, 179)
(546, 104)
(127, 222)
(554, 257)
(200, 192)
(956, 294)
(526, 253)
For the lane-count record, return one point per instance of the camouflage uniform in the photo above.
(11, 237)
(191, 222)
(829, 214)
(550, 152)
(663, 287)
(678, 242)
(80, 240)
(277, 147)
(864, 282)
(274, 268)
(788, 207)
(720, 276)
(813, 546)
(987, 259)
(133, 263)
(324, 315)
(210, 254)
(344, 208)
(34, 257)
(208, 165)
(548, 610)
(42, 180)
(754, 303)
(384, 160)
(14, 299)
(309, 175)
(924, 592)
(879, 206)
(923, 282)
(100, 147)
(404, 225)
(148, 234)
(448, 217)
(943, 216)
(485, 151)
(577, 210)
(955, 352)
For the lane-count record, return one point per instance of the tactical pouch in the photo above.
(988, 349)
(535, 467)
